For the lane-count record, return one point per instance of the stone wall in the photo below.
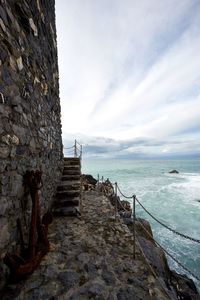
(30, 126)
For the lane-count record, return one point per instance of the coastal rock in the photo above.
(174, 172)
(186, 288)
(88, 182)
(176, 285)
(154, 254)
(106, 188)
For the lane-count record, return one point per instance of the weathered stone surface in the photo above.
(68, 279)
(4, 150)
(30, 125)
(4, 232)
(91, 258)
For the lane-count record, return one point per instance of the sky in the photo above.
(129, 75)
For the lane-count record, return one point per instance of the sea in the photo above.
(174, 199)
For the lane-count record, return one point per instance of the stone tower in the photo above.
(30, 125)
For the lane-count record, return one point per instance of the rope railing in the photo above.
(158, 221)
(76, 150)
(166, 226)
(134, 198)
(127, 197)
(170, 255)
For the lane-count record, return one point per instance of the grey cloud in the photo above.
(137, 148)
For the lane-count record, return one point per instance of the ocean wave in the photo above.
(188, 183)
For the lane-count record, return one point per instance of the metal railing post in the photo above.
(75, 149)
(133, 226)
(115, 200)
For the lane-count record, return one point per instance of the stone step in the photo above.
(72, 201)
(67, 194)
(68, 191)
(71, 172)
(72, 160)
(67, 211)
(71, 163)
(73, 181)
(70, 177)
(75, 167)
(70, 182)
(67, 187)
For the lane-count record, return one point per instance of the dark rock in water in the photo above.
(174, 172)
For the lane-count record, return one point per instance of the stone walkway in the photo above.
(90, 258)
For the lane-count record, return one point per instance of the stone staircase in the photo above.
(69, 190)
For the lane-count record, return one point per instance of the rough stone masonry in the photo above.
(30, 126)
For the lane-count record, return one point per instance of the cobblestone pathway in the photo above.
(90, 258)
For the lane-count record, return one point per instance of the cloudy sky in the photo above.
(130, 76)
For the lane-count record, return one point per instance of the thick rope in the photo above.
(164, 225)
(127, 197)
(161, 223)
(170, 255)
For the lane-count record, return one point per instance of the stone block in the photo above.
(4, 150)
(4, 232)
(5, 205)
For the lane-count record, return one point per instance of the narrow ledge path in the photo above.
(90, 257)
